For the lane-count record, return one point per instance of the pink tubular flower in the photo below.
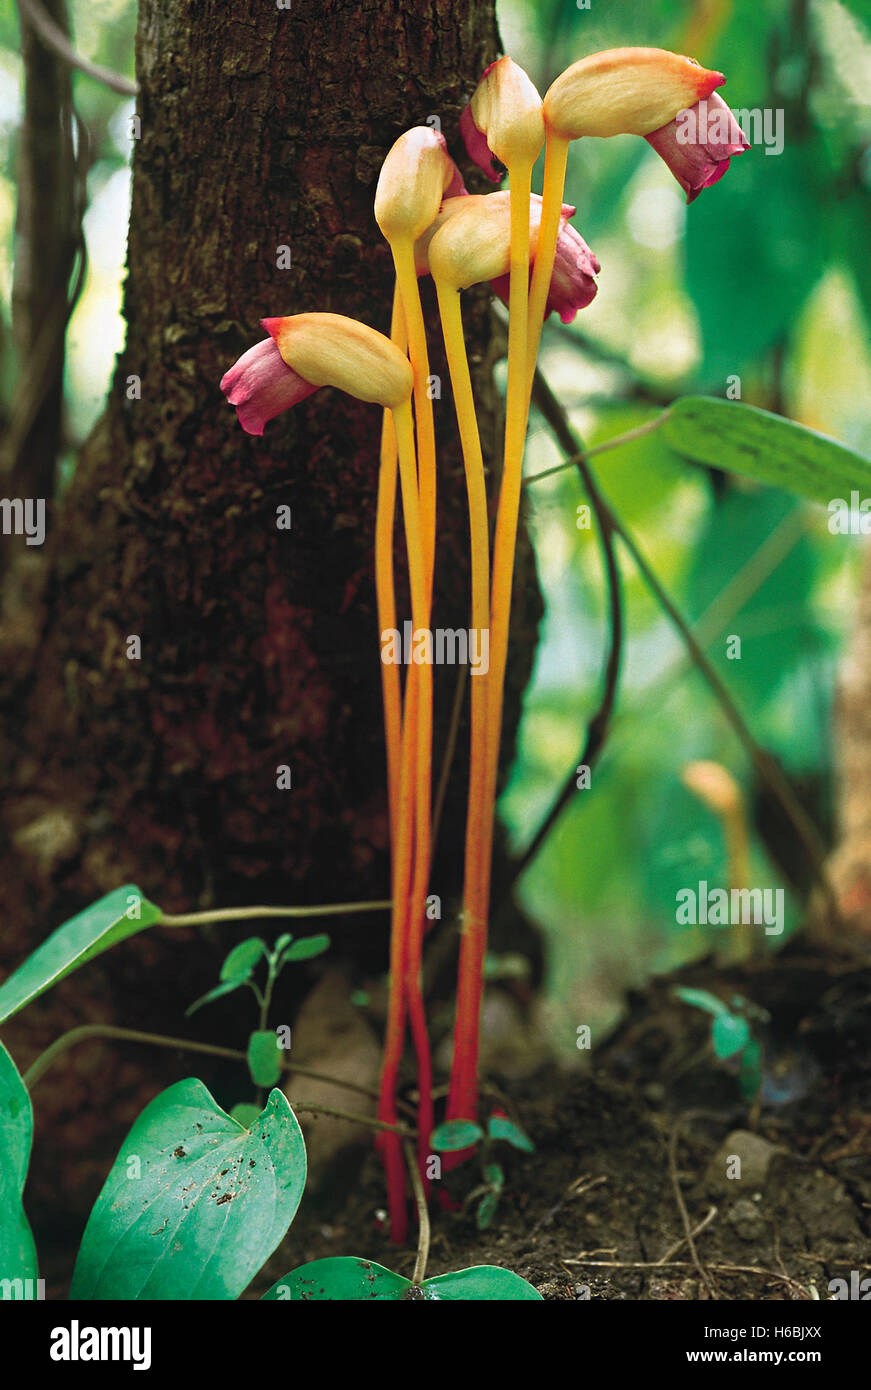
(477, 148)
(625, 91)
(480, 249)
(572, 286)
(699, 143)
(306, 351)
(261, 385)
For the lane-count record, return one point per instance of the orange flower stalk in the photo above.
(449, 271)
(715, 786)
(303, 353)
(506, 110)
(417, 174)
(385, 593)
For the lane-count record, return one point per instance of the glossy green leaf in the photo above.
(351, 1278)
(194, 1203)
(306, 947)
(701, 999)
(343, 1277)
(729, 1034)
(482, 1282)
(264, 1058)
(242, 959)
(17, 1250)
(118, 915)
(502, 1128)
(769, 448)
(282, 941)
(455, 1135)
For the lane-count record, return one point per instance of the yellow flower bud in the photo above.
(331, 350)
(506, 109)
(625, 91)
(715, 786)
(417, 173)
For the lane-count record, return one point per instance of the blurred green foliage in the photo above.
(765, 278)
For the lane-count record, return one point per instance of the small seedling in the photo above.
(731, 1034)
(263, 1053)
(238, 969)
(455, 1136)
(346, 1278)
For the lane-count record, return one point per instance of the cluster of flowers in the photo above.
(524, 246)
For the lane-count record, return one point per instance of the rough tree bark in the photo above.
(260, 128)
(45, 250)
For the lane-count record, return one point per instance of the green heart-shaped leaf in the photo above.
(343, 1277)
(195, 1203)
(502, 1128)
(757, 444)
(481, 1282)
(729, 1034)
(118, 915)
(17, 1250)
(350, 1278)
(455, 1135)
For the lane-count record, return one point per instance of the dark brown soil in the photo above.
(620, 1148)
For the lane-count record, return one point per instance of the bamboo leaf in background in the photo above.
(769, 448)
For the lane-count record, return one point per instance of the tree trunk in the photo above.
(261, 128)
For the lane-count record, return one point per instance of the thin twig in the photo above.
(684, 1214)
(99, 1030)
(581, 454)
(54, 38)
(305, 1107)
(688, 1264)
(673, 1249)
(766, 766)
(597, 729)
(241, 914)
(422, 1216)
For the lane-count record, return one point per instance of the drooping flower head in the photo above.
(470, 242)
(503, 121)
(625, 91)
(699, 143)
(714, 785)
(416, 175)
(306, 351)
(260, 385)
